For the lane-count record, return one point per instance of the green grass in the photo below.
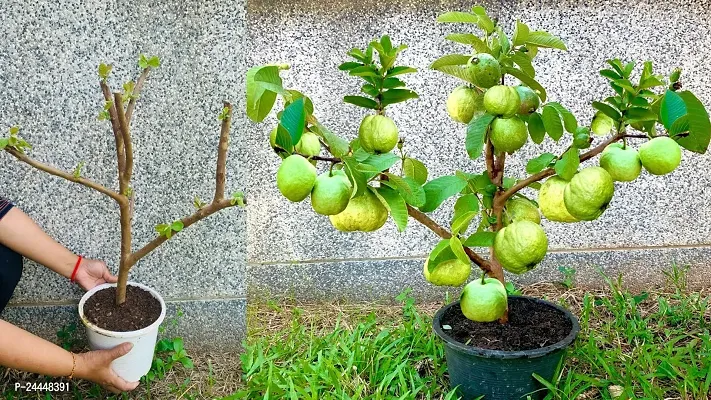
(631, 346)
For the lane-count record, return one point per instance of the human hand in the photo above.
(95, 366)
(92, 273)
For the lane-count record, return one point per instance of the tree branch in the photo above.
(550, 171)
(118, 136)
(220, 174)
(136, 92)
(126, 133)
(56, 172)
(200, 214)
(445, 234)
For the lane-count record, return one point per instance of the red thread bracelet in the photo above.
(76, 268)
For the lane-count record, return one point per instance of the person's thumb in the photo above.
(110, 278)
(120, 350)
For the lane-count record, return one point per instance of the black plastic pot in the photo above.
(503, 375)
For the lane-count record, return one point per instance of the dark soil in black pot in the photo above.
(139, 310)
(531, 326)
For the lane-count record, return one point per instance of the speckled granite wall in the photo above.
(49, 53)
(652, 222)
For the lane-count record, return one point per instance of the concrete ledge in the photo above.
(384, 279)
(206, 325)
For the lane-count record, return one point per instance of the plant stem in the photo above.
(120, 151)
(136, 92)
(221, 170)
(422, 218)
(128, 146)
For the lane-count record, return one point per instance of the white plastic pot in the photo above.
(137, 362)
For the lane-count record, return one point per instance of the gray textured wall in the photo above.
(651, 223)
(47, 71)
(48, 61)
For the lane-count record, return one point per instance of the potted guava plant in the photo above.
(497, 346)
(129, 311)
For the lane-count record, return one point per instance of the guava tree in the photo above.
(118, 111)
(504, 107)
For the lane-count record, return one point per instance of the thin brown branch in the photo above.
(445, 234)
(118, 136)
(136, 92)
(550, 171)
(200, 214)
(126, 133)
(489, 154)
(332, 160)
(126, 215)
(220, 174)
(56, 172)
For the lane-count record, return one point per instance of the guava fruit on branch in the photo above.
(504, 109)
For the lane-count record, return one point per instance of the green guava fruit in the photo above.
(601, 124)
(529, 100)
(550, 200)
(520, 246)
(622, 164)
(448, 273)
(485, 69)
(660, 155)
(508, 134)
(377, 134)
(521, 210)
(502, 101)
(581, 139)
(484, 302)
(464, 103)
(309, 144)
(296, 177)
(331, 193)
(364, 213)
(589, 193)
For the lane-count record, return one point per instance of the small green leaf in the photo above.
(356, 177)
(524, 63)
(409, 189)
(568, 164)
(391, 83)
(369, 89)
(538, 164)
(393, 96)
(177, 226)
(366, 70)
(672, 108)
(396, 205)
(607, 110)
(262, 86)
(293, 119)
(469, 39)
(347, 66)
(450, 59)
(536, 128)
(440, 189)
(484, 22)
(105, 71)
(571, 124)
(551, 121)
(610, 74)
(400, 71)
(283, 139)
(77, 169)
(476, 135)
(337, 145)
(381, 162)
(521, 33)
(527, 80)
(457, 71)
(458, 18)
(441, 252)
(545, 39)
(361, 101)
(415, 169)
(640, 114)
(480, 239)
(154, 62)
(237, 199)
(699, 125)
(465, 209)
(3, 143)
(456, 245)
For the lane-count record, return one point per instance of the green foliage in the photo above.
(13, 141)
(568, 276)
(476, 135)
(77, 170)
(67, 337)
(104, 114)
(370, 360)
(105, 71)
(379, 75)
(148, 62)
(169, 353)
(198, 203)
(440, 189)
(263, 85)
(237, 199)
(168, 230)
(567, 165)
